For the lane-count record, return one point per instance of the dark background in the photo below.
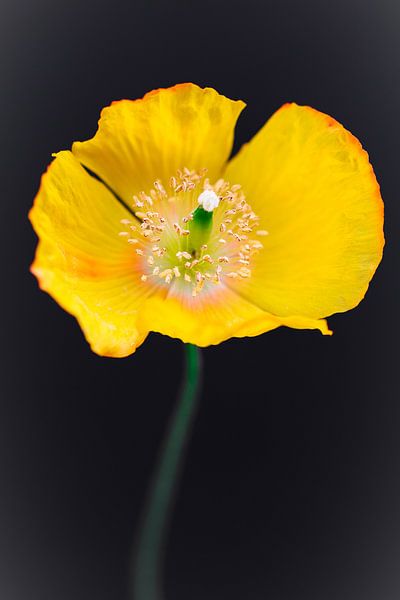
(291, 487)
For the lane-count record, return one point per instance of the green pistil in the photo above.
(200, 228)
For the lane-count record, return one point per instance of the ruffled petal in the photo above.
(311, 183)
(211, 319)
(139, 141)
(82, 262)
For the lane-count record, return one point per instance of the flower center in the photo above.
(194, 235)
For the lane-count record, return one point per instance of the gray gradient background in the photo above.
(291, 487)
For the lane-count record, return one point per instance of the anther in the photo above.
(162, 235)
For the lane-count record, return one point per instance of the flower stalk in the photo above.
(147, 568)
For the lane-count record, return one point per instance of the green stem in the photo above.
(147, 580)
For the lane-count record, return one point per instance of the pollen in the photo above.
(169, 255)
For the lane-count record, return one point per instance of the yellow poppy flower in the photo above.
(170, 237)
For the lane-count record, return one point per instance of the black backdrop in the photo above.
(291, 486)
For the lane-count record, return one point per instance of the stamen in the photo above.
(179, 234)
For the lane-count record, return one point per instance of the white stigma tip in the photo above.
(208, 200)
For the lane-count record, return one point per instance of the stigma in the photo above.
(193, 234)
(208, 200)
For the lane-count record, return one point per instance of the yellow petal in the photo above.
(211, 319)
(311, 182)
(82, 262)
(139, 141)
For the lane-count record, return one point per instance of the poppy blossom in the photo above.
(149, 226)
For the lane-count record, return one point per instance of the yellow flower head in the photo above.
(170, 237)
